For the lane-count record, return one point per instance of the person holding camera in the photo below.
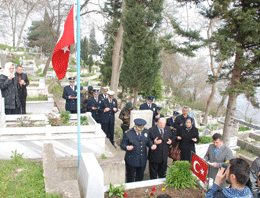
(237, 174)
(217, 154)
(70, 95)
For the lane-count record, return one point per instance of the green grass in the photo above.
(205, 140)
(22, 178)
(84, 84)
(96, 79)
(243, 128)
(33, 85)
(50, 69)
(246, 152)
(41, 97)
(72, 70)
(39, 71)
(86, 75)
(57, 89)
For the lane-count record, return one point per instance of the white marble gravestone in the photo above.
(147, 115)
(90, 177)
(2, 110)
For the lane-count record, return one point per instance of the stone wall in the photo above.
(68, 189)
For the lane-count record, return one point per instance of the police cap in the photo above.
(72, 79)
(150, 98)
(139, 123)
(128, 105)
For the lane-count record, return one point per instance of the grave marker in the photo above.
(147, 115)
(2, 110)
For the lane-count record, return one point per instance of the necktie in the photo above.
(72, 88)
(20, 78)
(162, 133)
(139, 136)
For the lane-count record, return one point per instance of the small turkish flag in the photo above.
(60, 57)
(199, 167)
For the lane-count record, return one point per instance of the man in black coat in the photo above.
(134, 142)
(109, 108)
(94, 104)
(181, 119)
(171, 120)
(70, 95)
(22, 90)
(149, 105)
(103, 95)
(162, 136)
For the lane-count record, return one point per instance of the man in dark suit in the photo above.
(22, 90)
(94, 104)
(159, 115)
(134, 142)
(109, 108)
(70, 95)
(162, 136)
(149, 105)
(171, 120)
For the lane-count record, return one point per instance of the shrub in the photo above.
(118, 191)
(243, 128)
(179, 175)
(65, 116)
(25, 122)
(205, 140)
(84, 120)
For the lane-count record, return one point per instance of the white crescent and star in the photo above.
(65, 49)
(194, 166)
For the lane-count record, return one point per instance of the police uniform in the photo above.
(71, 104)
(108, 118)
(93, 102)
(153, 107)
(170, 122)
(159, 115)
(103, 96)
(125, 112)
(136, 158)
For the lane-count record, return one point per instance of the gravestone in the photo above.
(90, 177)
(147, 115)
(2, 111)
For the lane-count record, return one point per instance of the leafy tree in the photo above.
(93, 46)
(84, 51)
(237, 45)
(140, 45)
(113, 10)
(40, 34)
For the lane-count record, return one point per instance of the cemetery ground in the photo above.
(22, 178)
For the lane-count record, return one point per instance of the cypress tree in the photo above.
(141, 62)
(93, 46)
(84, 51)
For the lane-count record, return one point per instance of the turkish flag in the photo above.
(60, 57)
(199, 167)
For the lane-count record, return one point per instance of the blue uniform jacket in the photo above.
(71, 104)
(101, 96)
(96, 114)
(137, 157)
(108, 116)
(144, 106)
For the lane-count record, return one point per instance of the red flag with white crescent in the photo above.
(60, 57)
(199, 167)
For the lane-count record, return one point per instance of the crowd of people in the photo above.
(13, 83)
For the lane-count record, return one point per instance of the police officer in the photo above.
(70, 95)
(109, 108)
(159, 115)
(134, 143)
(125, 116)
(94, 104)
(104, 94)
(149, 105)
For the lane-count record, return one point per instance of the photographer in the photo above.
(237, 174)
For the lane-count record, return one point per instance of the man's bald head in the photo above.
(162, 123)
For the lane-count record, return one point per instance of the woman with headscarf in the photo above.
(8, 86)
(187, 135)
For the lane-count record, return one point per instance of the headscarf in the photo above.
(6, 70)
(188, 128)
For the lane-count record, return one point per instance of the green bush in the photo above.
(118, 191)
(179, 175)
(65, 116)
(84, 120)
(243, 128)
(205, 140)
